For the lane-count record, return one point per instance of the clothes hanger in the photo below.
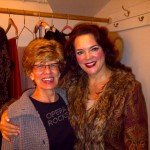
(41, 23)
(24, 27)
(52, 25)
(66, 27)
(50, 33)
(38, 28)
(11, 23)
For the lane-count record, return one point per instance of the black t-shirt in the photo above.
(55, 119)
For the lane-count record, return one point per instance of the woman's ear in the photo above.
(31, 76)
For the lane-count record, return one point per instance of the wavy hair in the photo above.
(101, 36)
(42, 50)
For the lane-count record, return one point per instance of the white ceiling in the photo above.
(77, 7)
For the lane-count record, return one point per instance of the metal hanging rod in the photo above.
(53, 15)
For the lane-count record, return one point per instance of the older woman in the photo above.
(41, 113)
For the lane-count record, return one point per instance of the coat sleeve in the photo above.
(136, 120)
(9, 145)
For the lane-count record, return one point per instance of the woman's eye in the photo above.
(79, 52)
(54, 65)
(95, 48)
(41, 66)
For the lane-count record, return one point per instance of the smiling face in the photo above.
(45, 75)
(89, 54)
(42, 61)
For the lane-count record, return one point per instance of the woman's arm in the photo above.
(7, 128)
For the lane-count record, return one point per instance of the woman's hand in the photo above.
(8, 129)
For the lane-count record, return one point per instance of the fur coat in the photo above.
(118, 120)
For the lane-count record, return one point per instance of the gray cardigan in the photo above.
(33, 134)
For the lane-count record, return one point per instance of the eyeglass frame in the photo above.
(42, 67)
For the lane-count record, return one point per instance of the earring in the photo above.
(32, 78)
(59, 75)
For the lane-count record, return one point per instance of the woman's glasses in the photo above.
(42, 67)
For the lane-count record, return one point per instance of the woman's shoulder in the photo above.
(122, 74)
(23, 103)
(124, 77)
(62, 93)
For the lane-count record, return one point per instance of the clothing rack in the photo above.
(53, 15)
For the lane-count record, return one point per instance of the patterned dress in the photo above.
(6, 66)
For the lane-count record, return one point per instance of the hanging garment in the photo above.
(58, 36)
(26, 83)
(14, 82)
(6, 67)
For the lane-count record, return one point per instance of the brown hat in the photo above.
(118, 44)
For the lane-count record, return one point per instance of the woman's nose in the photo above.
(87, 55)
(47, 69)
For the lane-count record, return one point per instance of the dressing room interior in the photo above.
(127, 20)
